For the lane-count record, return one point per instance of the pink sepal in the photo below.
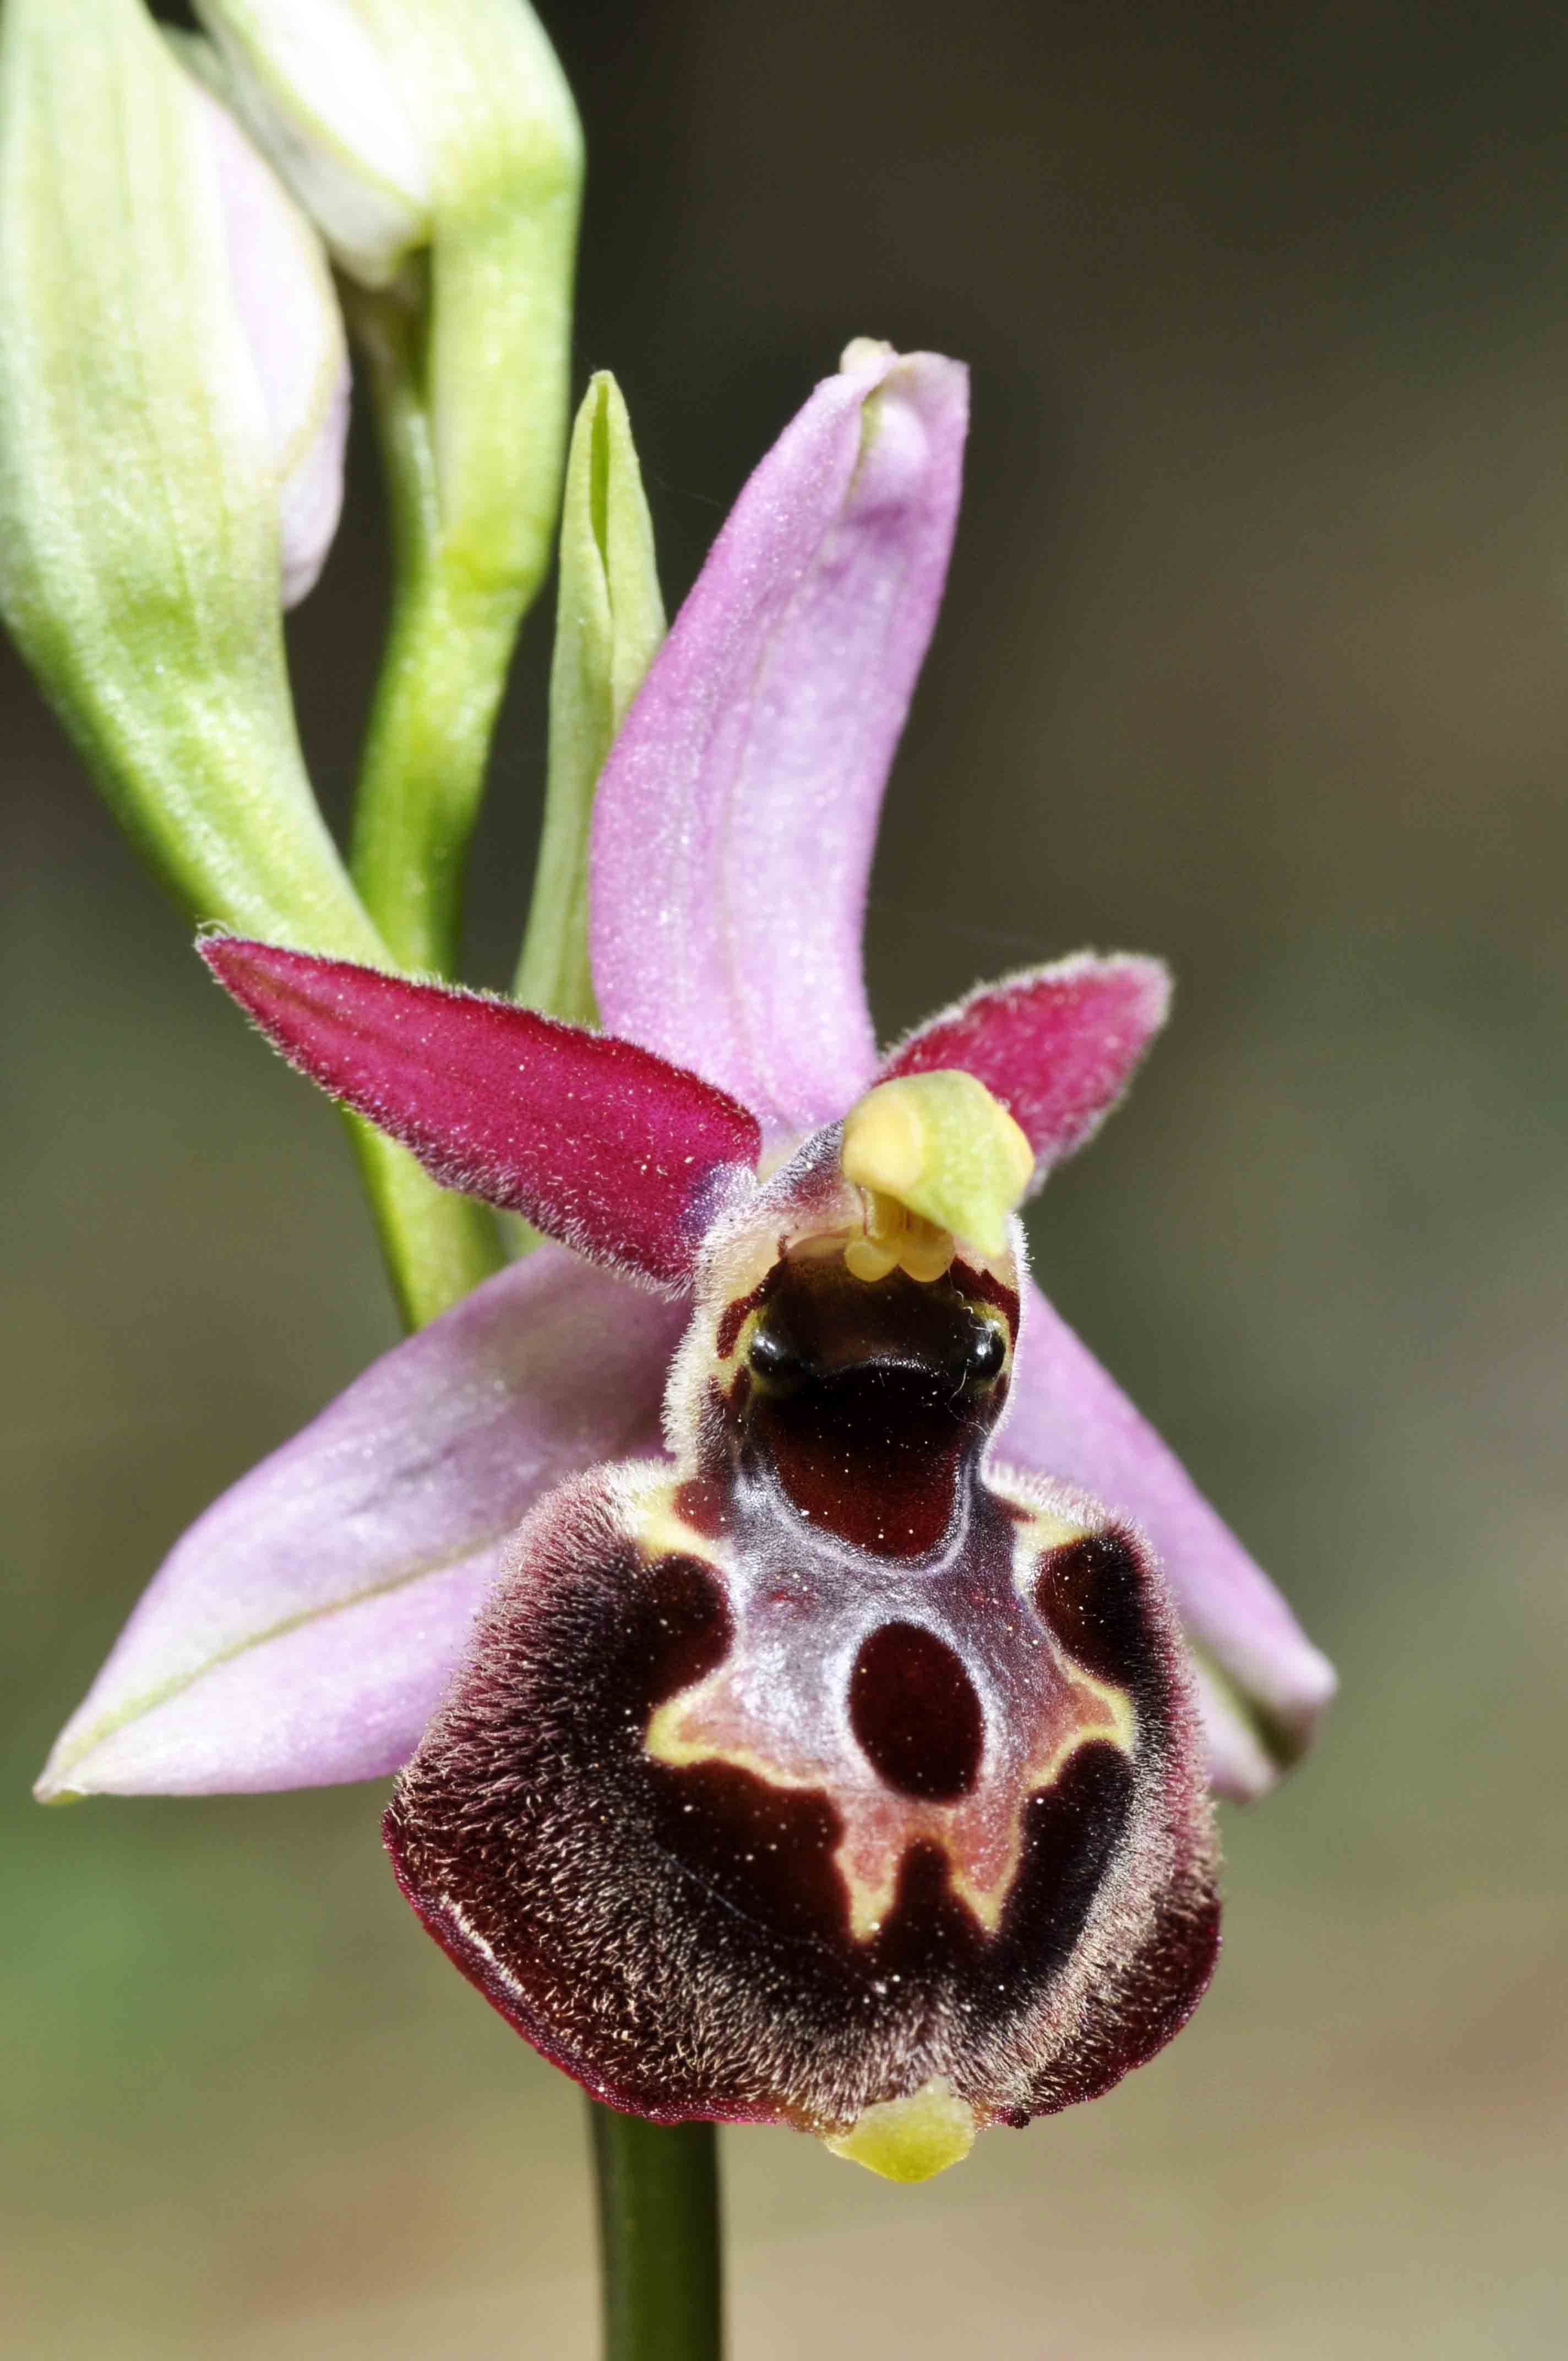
(735, 817)
(1068, 1418)
(304, 1628)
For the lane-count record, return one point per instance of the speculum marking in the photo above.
(915, 1713)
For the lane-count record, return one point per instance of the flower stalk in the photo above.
(442, 671)
(659, 2237)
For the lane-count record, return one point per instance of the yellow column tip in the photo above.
(942, 1148)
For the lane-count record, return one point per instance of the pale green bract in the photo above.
(610, 623)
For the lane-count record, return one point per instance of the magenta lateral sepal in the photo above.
(735, 817)
(1056, 1045)
(1069, 1415)
(301, 1633)
(602, 1145)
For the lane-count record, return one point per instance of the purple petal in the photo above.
(600, 1144)
(1056, 1045)
(304, 1628)
(1265, 1684)
(735, 817)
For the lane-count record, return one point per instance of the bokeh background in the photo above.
(1255, 654)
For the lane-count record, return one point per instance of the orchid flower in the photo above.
(843, 1761)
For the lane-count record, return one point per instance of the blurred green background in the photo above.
(1255, 654)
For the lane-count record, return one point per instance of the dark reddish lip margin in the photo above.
(440, 1921)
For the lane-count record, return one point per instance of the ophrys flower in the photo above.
(822, 1769)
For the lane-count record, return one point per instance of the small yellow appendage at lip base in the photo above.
(911, 2138)
(939, 1158)
(896, 1239)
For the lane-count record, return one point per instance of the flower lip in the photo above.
(727, 1834)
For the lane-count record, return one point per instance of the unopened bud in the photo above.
(310, 79)
(172, 394)
(292, 328)
(440, 125)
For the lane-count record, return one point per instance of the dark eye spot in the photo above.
(915, 1713)
(987, 1353)
(772, 1361)
(1091, 1593)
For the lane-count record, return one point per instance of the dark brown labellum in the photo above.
(831, 1767)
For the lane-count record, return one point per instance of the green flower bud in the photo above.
(172, 386)
(610, 621)
(311, 80)
(172, 406)
(436, 145)
(402, 125)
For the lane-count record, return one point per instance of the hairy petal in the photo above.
(736, 815)
(1264, 1684)
(600, 1144)
(304, 1628)
(1056, 1045)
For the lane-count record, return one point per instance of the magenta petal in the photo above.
(736, 815)
(1056, 1045)
(600, 1144)
(304, 1628)
(1264, 1683)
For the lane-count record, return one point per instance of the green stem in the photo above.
(422, 777)
(442, 678)
(424, 772)
(437, 1247)
(658, 2206)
